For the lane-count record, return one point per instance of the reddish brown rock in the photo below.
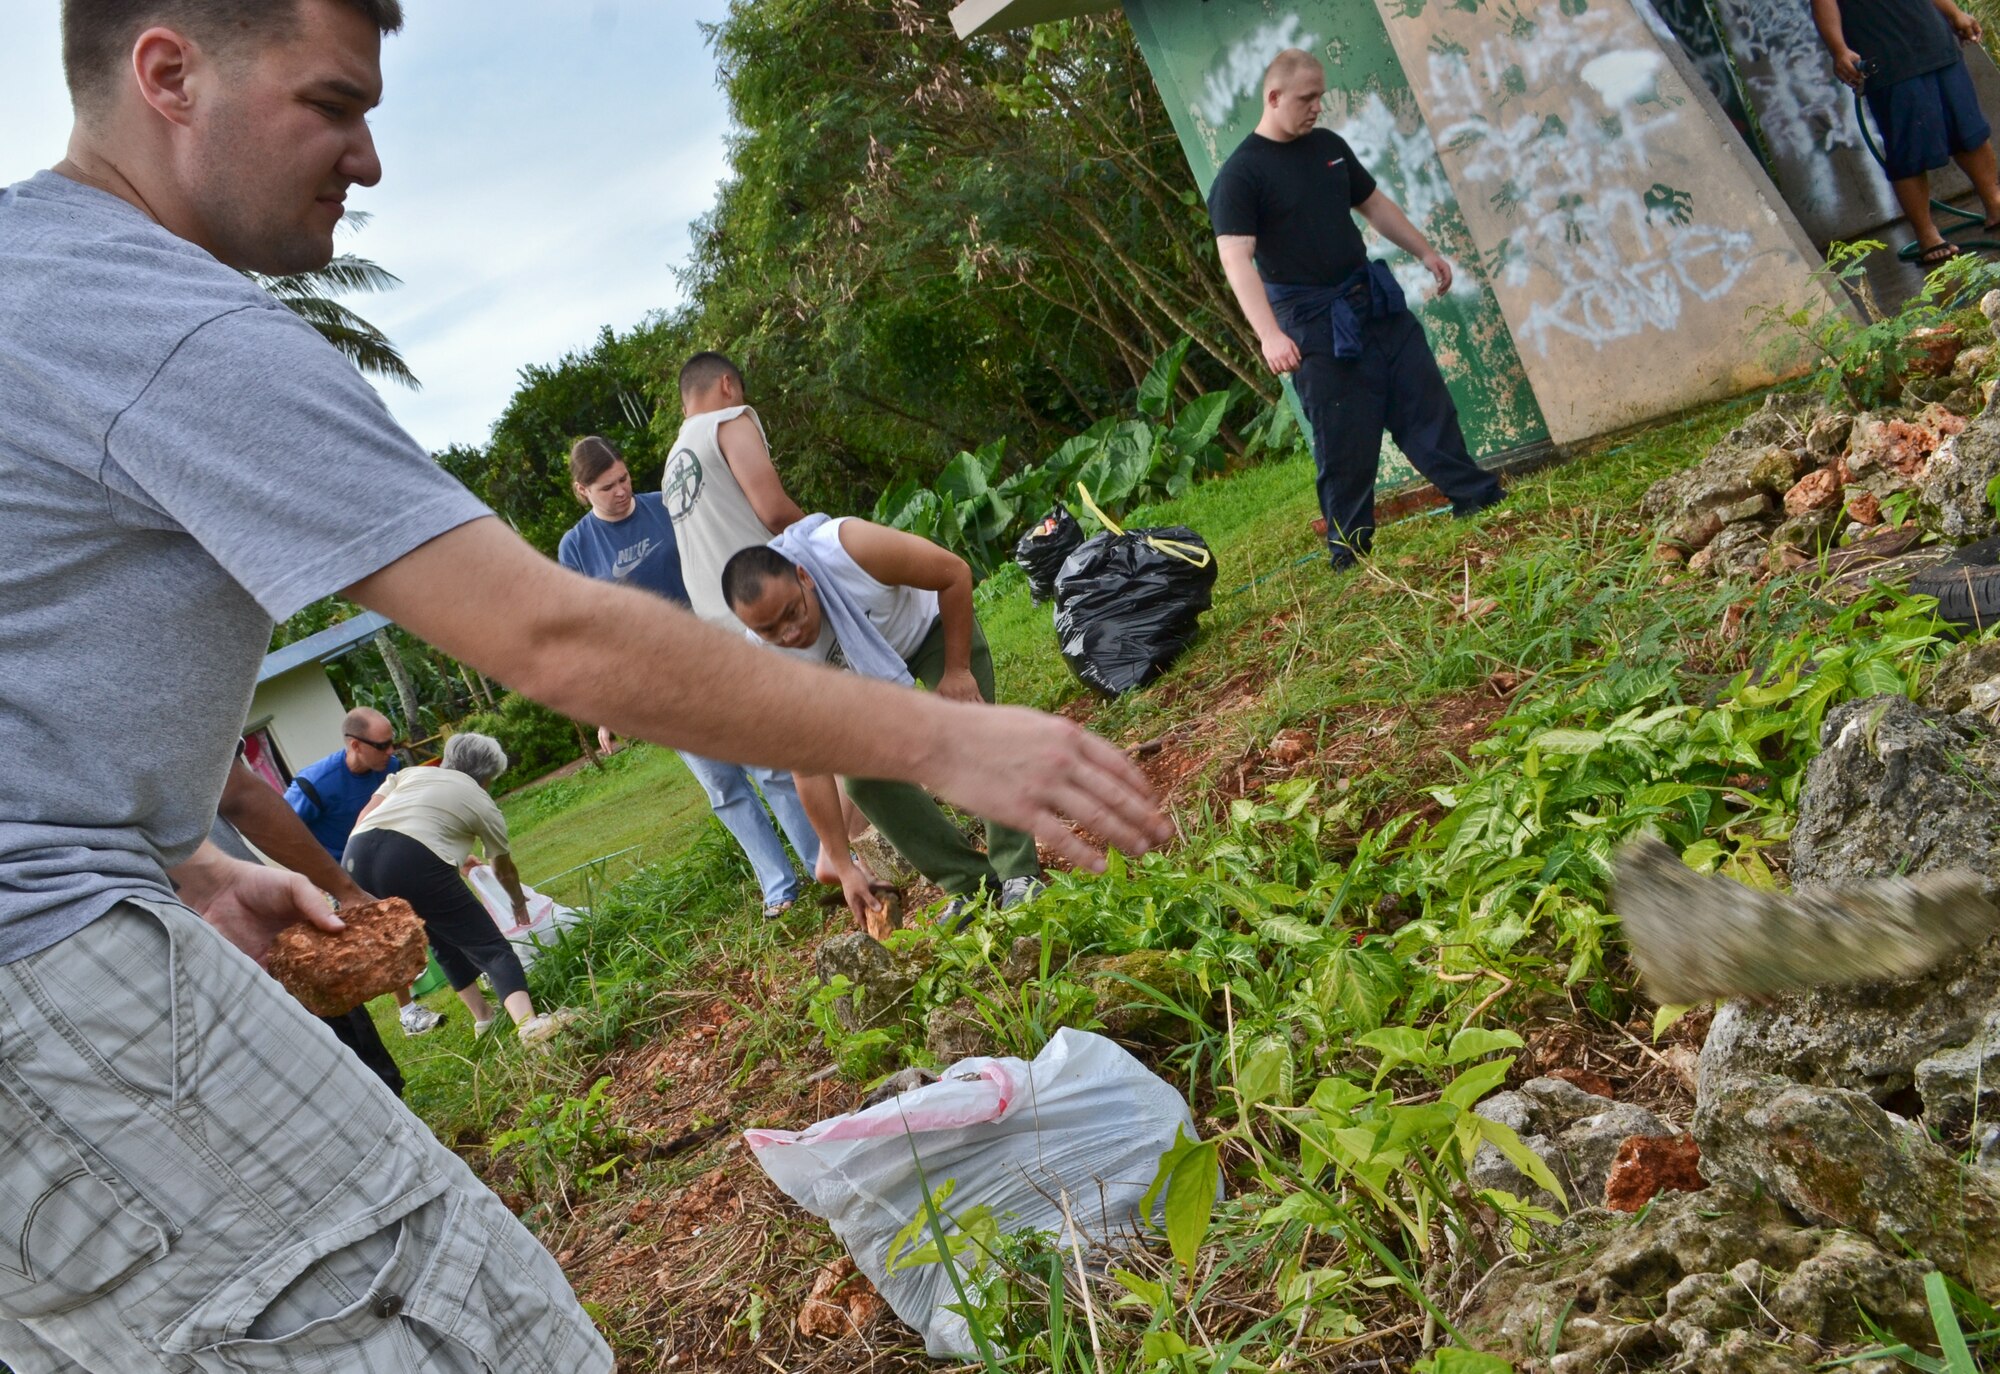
(381, 950)
(1817, 490)
(1940, 345)
(1648, 1165)
(1865, 506)
(842, 1302)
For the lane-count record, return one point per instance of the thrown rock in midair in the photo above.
(1697, 937)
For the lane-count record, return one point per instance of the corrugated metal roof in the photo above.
(328, 643)
(991, 16)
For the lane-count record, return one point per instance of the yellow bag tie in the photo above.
(1175, 548)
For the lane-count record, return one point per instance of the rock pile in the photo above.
(1842, 1131)
(1797, 479)
(1800, 477)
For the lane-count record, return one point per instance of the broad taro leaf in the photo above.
(1121, 465)
(1156, 393)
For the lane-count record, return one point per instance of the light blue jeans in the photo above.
(732, 795)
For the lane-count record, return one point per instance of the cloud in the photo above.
(541, 166)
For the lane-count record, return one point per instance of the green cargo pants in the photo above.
(918, 828)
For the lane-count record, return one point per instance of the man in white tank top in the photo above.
(885, 604)
(720, 486)
(716, 512)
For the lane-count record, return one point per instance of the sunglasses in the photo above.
(387, 746)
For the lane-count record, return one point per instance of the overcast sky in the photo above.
(542, 160)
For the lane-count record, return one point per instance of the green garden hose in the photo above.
(1911, 251)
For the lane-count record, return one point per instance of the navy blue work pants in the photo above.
(1394, 384)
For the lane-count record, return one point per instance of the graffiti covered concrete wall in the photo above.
(1624, 252)
(1209, 61)
(1826, 172)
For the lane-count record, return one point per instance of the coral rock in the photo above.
(1817, 490)
(381, 950)
(1649, 1165)
(1865, 507)
(842, 1302)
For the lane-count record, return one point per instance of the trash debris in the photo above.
(1128, 602)
(1042, 550)
(1002, 1139)
(547, 918)
(1698, 937)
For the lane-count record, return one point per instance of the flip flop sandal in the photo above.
(1937, 253)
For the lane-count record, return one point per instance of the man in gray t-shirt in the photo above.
(208, 1174)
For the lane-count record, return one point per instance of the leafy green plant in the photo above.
(565, 1145)
(536, 739)
(1865, 361)
(1157, 455)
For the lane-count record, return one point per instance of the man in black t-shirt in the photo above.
(1323, 312)
(1903, 55)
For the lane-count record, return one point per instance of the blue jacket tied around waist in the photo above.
(1369, 292)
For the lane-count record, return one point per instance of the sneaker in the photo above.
(419, 1019)
(1468, 509)
(536, 1029)
(1014, 891)
(774, 910)
(953, 915)
(479, 1028)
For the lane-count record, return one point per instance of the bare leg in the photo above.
(1914, 195)
(518, 1006)
(1983, 169)
(476, 1003)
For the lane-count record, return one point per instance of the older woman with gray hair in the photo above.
(410, 842)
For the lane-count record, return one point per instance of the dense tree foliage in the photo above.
(925, 245)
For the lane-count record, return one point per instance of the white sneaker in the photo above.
(536, 1029)
(479, 1028)
(419, 1019)
(1014, 891)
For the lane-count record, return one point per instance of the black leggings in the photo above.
(389, 863)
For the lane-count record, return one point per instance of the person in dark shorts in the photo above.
(1903, 56)
(412, 840)
(1326, 314)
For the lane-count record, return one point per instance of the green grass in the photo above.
(643, 806)
(1275, 911)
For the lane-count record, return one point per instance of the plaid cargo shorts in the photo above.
(196, 1176)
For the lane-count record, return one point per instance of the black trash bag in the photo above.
(1041, 550)
(1126, 606)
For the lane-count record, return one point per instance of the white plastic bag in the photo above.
(1085, 1119)
(547, 918)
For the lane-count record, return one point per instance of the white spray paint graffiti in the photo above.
(1806, 116)
(1554, 128)
(1400, 156)
(1239, 72)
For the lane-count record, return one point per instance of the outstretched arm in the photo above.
(644, 667)
(1239, 265)
(819, 795)
(897, 559)
(261, 817)
(1392, 224)
(749, 459)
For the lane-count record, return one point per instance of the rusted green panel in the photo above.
(1208, 57)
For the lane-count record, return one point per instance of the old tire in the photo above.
(1966, 585)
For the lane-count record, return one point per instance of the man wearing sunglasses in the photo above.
(329, 794)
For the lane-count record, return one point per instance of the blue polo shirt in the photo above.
(638, 551)
(334, 804)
